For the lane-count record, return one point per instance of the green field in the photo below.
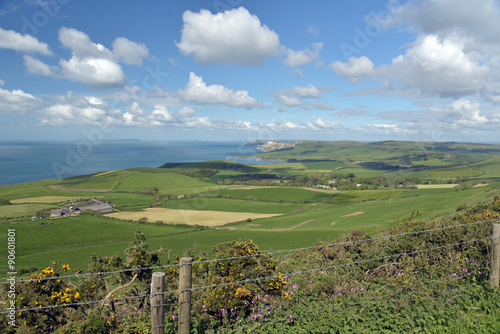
(232, 205)
(447, 174)
(276, 194)
(365, 195)
(19, 210)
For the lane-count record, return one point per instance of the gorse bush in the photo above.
(244, 263)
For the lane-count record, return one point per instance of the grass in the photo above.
(76, 236)
(223, 165)
(490, 168)
(101, 181)
(324, 165)
(78, 256)
(420, 173)
(232, 205)
(447, 173)
(353, 196)
(276, 194)
(165, 182)
(19, 210)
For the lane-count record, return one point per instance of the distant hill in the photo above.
(212, 164)
(386, 153)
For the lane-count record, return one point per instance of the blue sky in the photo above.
(423, 70)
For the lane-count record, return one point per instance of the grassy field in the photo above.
(232, 205)
(364, 195)
(281, 217)
(165, 182)
(21, 210)
(101, 181)
(276, 194)
(447, 173)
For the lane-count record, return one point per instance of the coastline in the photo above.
(262, 159)
(25, 161)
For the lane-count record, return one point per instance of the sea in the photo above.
(25, 161)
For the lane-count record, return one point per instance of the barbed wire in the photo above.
(103, 273)
(332, 267)
(92, 302)
(261, 254)
(345, 242)
(247, 280)
(77, 304)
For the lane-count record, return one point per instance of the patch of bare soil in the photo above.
(318, 190)
(299, 225)
(59, 188)
(357, 213)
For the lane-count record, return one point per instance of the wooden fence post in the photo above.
(495, 257)
(157, 307)
(185, 295)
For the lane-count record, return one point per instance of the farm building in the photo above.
(96, 206)
(64, 212)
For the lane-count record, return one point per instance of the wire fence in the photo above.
(446, 288)
(345, 243)
(240, 282)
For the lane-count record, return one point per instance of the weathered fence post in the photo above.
(495, 257)
(185, 295)
(157, 308)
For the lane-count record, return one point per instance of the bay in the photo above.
(24, 161)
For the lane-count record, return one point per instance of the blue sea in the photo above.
(23, 161)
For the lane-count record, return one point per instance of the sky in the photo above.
(366, 70)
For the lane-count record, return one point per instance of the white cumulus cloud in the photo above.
(91, 63)
(322, 105)
(36, 66)
(303, 57)
(129, 52)
(93, 72)
(357, 69)
(290, 97)
(455, 53)
(431, 67)
(10, 39)
(437, 67)
(17, 100)
(289, 101)
(320, 123)
(232, 37)
(197, 91)
(463, 113)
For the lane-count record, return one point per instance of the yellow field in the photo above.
(436, 186)
(104, 173)
(191, 217)
(43, 199)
